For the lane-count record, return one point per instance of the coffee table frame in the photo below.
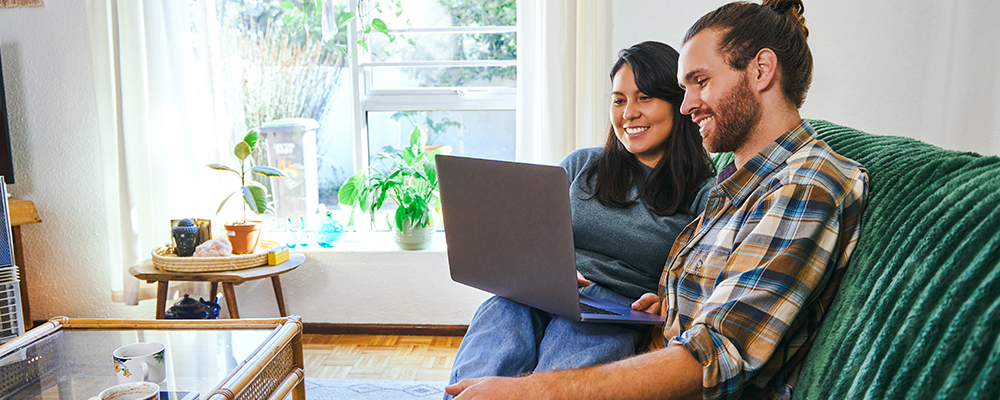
(273, 371)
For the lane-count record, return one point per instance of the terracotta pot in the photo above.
(244, 236)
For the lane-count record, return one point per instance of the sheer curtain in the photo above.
(162, 126)
(563, 59)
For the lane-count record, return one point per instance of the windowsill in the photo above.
(371, 242)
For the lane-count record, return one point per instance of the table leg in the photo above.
(230, 295)
(277, 295)
(15, 232)
(161, 299)
(214, 291)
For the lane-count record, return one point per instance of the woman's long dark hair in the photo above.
(676, 179)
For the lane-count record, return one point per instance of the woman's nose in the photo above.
(631, 112)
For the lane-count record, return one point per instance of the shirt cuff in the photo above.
(722, 366)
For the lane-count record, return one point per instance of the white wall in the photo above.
(924, 69)
(53, 120)
(912, 68)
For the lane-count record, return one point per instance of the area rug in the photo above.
(354, 389)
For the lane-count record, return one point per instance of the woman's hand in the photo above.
(649, 302)
(581, 281)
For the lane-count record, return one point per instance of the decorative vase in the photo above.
(185, 237)
(329, 231)
(303, 234)
(244, 236)
(291, 240)
(410, 238)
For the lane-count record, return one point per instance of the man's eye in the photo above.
(701, 82)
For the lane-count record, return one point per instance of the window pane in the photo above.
(486, 134)
(445, 47)
(334, 145)
(275, 64)
(442, 31)
(446, 13)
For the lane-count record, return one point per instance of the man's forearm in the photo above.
(669, 373)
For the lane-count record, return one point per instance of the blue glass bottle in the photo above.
(329, 231)
(290, 240)
(303, 233)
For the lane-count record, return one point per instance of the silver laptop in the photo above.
(509, 232)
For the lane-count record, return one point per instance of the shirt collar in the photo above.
(740, 183)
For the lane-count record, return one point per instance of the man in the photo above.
(746, 285)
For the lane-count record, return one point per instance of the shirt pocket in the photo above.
(707, 265)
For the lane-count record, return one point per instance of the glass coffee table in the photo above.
(70, 358)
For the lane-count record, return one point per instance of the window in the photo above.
(448, 66)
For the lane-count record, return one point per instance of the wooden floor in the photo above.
(404, 358)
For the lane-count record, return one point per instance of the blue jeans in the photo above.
(507, 338)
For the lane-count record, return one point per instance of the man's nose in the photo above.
(690, 102)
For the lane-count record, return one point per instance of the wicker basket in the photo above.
(165, 259)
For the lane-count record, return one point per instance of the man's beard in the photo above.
(739, 115)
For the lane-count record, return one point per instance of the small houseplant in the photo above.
(410, 182)
(245, 234)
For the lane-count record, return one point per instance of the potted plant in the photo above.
(245, 235)
(410, 182)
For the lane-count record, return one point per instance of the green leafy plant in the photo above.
(410, 182)
(254, 193)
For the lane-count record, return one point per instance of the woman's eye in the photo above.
(617, 101)
(645, 98)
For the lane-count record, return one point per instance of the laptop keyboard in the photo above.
(589, 309)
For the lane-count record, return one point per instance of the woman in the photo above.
(629, 201)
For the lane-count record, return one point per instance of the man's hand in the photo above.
(581, 281)
(490, 388)
(649, 302)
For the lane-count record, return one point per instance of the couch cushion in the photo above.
(918, 313)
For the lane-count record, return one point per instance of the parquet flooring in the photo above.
(382, 357)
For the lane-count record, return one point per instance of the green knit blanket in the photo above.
(918, 313)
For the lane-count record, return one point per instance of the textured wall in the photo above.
(53, 120)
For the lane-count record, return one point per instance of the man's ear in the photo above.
(763, 69)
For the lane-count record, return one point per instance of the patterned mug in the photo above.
(140, 362)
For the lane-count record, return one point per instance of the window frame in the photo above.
(365, 99)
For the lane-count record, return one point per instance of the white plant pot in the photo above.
(414, 238)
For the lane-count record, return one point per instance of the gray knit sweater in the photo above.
(622, 249)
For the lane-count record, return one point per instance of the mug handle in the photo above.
(145, 371)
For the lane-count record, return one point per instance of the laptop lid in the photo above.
(509, 232)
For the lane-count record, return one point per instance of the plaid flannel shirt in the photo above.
(746, 286)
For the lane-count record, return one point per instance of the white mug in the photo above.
(130, 391)
(140, 362)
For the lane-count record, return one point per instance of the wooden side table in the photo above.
(22, 212)
(148, 272)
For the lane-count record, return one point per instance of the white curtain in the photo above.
(162, 123)
(564, 56)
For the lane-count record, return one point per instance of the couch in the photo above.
(918, 312)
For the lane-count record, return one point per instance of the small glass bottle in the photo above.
(290, 240)
(329, 231)
(303, 233)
